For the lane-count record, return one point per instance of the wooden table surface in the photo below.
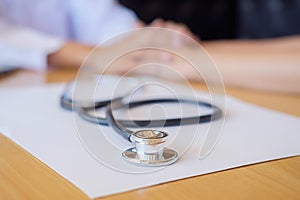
(24, 177)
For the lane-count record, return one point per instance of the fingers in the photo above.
(160, 23)
(180, 27)
(139, 24)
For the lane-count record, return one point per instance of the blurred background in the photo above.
(224, 19)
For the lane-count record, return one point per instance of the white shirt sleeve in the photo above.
(25, 47)
(94, 21)
(27, 36)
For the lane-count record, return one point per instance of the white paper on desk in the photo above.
(36, 122)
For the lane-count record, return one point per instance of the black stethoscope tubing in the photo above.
(120, 125)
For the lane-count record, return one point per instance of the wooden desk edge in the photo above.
(21, 169)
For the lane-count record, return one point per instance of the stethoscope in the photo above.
(149, 147)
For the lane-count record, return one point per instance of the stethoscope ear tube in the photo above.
(72, 105)
(88, 114)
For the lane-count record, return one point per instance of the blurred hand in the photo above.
(149, 52)
(174, 26)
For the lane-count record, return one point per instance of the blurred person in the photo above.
(255, 44)
(66, 38)
(224, 19)
(36, 34)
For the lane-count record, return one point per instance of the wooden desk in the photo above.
(24, 177)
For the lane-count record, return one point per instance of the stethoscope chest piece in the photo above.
(149, 149)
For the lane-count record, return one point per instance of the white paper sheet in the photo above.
(36, 122)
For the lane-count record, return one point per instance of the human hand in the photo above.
(174, 26)
(145, 51)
